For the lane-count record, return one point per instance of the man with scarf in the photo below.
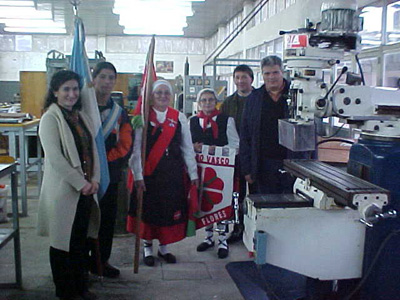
(210, 127)
(233, 107)
(117, 133)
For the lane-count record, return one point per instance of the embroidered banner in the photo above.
(216, 185)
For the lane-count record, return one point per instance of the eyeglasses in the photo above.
(160, 93)
(209, 100)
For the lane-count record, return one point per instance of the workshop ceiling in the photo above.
(99, 18)
(209, 14)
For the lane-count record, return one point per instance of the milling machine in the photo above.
(337, 224)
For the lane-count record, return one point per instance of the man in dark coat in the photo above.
(261, 155)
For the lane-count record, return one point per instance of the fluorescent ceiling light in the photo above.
(24, 12)
(17, 3)
(162, 17)
(31, 23)
(35, 30)
(21, 16)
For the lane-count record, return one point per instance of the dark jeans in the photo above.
(242, 195)
(270, 180)
(108, 211)
(242, 189)
(68, 268)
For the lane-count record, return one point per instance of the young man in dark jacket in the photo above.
(117, 133)
(233, 107)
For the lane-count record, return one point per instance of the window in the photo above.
(278, 45)
(280, 5)
(369, 67)
(258, 16)
(253, 20)
(391, 75)
(264, 12)
(372, 29)
(290, 3)
(270, 48)
(272, 8)
(393, 22)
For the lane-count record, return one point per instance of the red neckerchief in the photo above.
(208, 119)
(160, 146)
(153, 119)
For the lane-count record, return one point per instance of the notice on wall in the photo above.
(163, 66)
(23, 43)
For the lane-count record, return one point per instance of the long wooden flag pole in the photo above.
(145, 113)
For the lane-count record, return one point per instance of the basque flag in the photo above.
(149, 76)
(141, 111)
(80, 64)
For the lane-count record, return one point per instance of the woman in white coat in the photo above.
(68, 207)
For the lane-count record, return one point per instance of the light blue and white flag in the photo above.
(80, 64)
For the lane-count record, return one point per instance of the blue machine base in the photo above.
(268, 282)
(378, 162)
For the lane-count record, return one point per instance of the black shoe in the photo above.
(236, 235)
(110, 271)
(86, 276)
(86, 295)
(169, 258)
(70, 298)
(223, 253)
(149, 260)
(204, 246)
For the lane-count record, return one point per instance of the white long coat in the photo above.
(63, 179)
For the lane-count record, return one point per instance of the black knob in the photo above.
(321, 102)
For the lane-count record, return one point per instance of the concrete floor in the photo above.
(195, 276)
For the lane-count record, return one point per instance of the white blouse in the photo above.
(135, 161)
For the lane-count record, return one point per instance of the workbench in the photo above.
(8, 234)
(21, 154)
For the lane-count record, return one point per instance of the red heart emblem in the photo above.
(211, 180)
(212, 190)
(210, 199)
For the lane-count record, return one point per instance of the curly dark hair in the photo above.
(58, 80)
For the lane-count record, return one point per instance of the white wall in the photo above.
(127, 53)
(290, 18)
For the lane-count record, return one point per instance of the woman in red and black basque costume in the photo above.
(170, 159)
(210, 127)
